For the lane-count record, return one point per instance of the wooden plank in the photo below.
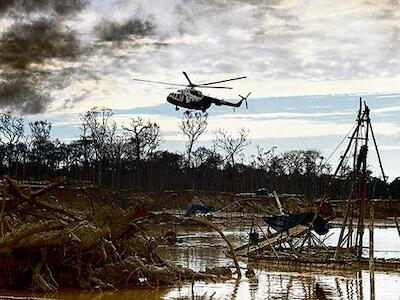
(272, 240)
(292, 264)
(371, 253)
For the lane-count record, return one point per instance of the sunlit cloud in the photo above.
(390, 147)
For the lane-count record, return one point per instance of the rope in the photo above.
(337, 147)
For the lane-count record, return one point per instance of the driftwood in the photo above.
(230, 246)
(46, 245)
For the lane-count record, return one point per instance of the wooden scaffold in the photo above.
(299, 244)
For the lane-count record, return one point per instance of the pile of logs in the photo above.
(45, 245)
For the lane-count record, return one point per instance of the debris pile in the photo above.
(45, 245)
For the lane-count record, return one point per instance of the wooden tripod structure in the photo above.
(298, 246)
(358, 197)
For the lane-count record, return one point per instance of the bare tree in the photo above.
(207, 157)
(12, 131)
(116, 152)
(193, 124)
(143, 137)
(314, 163)
(99, 128)
(40, 131)
(293, 161)
(41, 145)
(265, 158)
(208, 162)
(230, 145)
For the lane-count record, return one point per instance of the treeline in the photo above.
(131, 157)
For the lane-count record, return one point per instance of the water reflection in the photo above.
(294, 286)
(208, 249)
(204, 248)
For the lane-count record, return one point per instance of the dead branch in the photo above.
(231, 249)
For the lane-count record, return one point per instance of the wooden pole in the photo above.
(278, 203)
(344, 223)
(232, 250)
(354, 177)
(342, 158)
(363, 184)
(266, 237)
(371, 252)
(384, 177)
(282, 213)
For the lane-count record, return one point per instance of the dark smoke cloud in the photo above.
(21, 96)
(37, 38)
(35, 42)
(59, 7)
(109, 31)
(40, 55)
(26, 88)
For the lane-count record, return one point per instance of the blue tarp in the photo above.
(194, 208)
(280, 223)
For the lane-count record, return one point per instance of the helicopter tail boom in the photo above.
(237, 104)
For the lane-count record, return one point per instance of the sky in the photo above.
(306, 62)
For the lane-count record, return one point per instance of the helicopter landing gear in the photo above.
(176, 108)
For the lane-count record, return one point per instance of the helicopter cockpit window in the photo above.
(196, 93)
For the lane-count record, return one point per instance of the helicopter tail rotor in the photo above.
(245, 99)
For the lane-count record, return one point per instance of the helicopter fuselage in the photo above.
(190, 98)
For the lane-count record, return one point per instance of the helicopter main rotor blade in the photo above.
(206, 87)
(212, 87)
(187, 77)
(159, 82)
(214, 82)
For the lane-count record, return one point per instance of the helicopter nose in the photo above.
(169, 98)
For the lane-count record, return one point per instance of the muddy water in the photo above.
(204, 248)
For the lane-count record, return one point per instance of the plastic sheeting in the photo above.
(280, 223)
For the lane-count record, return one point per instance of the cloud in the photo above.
(33, 58)
(55, 44)
(390, 147)
(283, 39)
(16, 7)
(35, 42)
(284, 47)
(289, 115)
(262, 128)
(21, 96)
(390, 109)
(111, 31)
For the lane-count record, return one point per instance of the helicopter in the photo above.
(192, 98)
